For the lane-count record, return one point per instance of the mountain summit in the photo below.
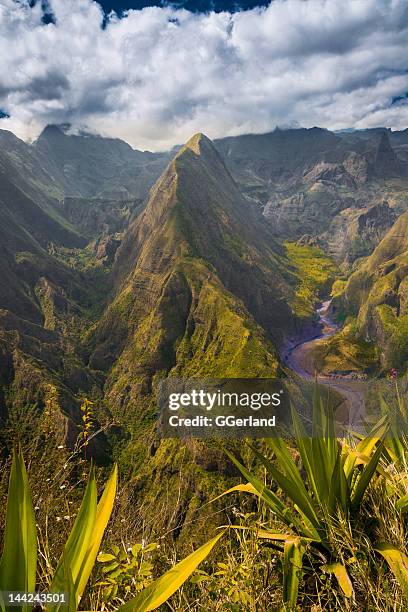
(386, 163)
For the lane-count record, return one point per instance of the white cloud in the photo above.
(158, 75)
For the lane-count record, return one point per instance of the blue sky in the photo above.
(154, 75)
(190, 5)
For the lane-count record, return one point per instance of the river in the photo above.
(297, 356)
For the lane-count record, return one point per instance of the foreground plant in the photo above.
(337, 475)
(131, 569)
(18, 563)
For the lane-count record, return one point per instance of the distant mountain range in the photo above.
(346, 189)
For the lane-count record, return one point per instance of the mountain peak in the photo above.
(53, 131)
(199, 143)
(386, 162)
(384, 144)
(199, 152)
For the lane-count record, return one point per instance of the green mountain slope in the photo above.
(27, 228)
(21, 167)
(42, 301)
(202, 288)
(201, 284)
(377, 293)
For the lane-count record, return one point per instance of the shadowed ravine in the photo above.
(298, 358)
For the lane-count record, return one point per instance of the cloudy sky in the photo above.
(153, 75)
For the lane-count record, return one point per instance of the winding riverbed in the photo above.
(297, 357)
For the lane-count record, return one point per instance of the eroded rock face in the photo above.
(355, 232)
(96, 216)
(310, 211)
(106, 246)
(331, 173)
(356, 167)
(316, 182)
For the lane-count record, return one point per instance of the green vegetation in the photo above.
(345, 351)
(396, 331)
(200, 286)
(225, 340)
(337, 288)
(18, 564)
(325, 513)
(376, 297)
(186, 305)
(79, 259)
(315, 272)
(129, 569)
(326, 528)
(19, 559)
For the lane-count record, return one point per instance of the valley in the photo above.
(122, 267)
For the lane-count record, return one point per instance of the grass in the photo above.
(18, 563)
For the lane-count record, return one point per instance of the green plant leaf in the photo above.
(293, 487)
(393, 443)
(272, 500)
(136, 548)
(366, 476)
(78, 543)
(19, 559)
(285, 460)
(292, 570)
(342, 577)
(243, 488)
(103, 514)
(305, 446)
(366, 446)
(161, 589)
(70, 604)
(402, 503)
(398, 563)
(267, 534)
(104, 557)
(339, 492)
